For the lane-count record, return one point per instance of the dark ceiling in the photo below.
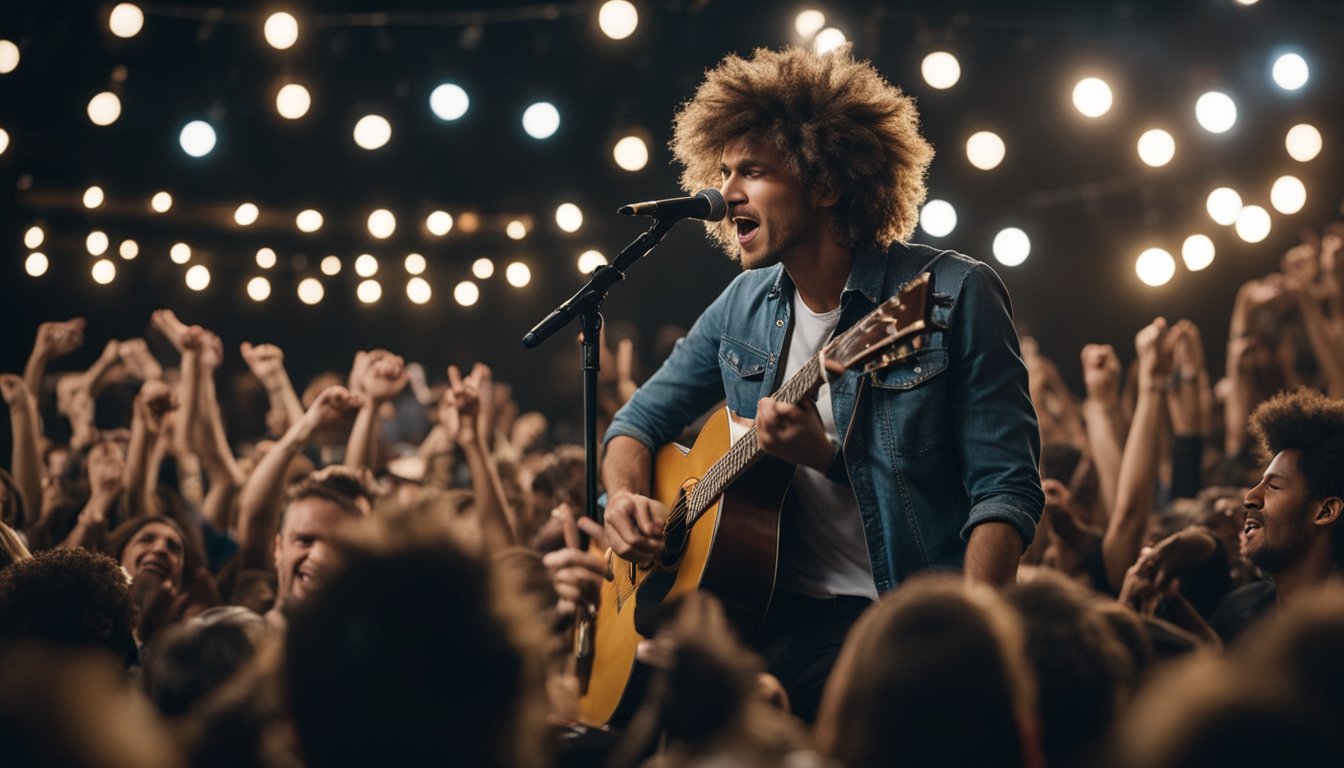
(1075, 185)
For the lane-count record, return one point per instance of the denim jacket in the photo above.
(932, 446)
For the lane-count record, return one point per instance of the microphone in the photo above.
(707, 204)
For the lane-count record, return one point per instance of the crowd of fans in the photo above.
(380, 570)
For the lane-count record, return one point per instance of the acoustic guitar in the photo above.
(724, 500)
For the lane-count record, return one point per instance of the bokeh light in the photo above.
(483, 268)
(96, 243)
(382, 223)
(1156, 147)
(372, 131)
(631, 153)
(1197, 252)
(198, 277)
(516, 229)
(1288, 195)
(308, 220)
(34, 236)
(9, 57)
(331, 265)
(938, 218)
(293, 101)
(180, 253)
(617, 19)
(246, 214)
(541, 120)
(1253, 224)
(449, 101)
(518, 274)
(466, 293)
(1303, 142)
(104, 108)
(1092, 97)
(310, 291)
(808, 23)
(126, 20)
(941, 70)
(369, 291)
(985, 150)
(161, 202)
(281, 30)
(103, 271)
(266, 258)
(569, 217)
(415, 263)
(418, 290)
(1011, 246)
(1155, 267)
(439, 223)
(93, 197)
(128, 249)
(1291, 72)
(1224, 204)
(366, 265)
(36, 264)
(828, 40)
(590, 260)
(259, 289)
(1216, 112)
(197, 138)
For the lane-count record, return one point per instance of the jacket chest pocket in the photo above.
(743, 369)
(910, 404)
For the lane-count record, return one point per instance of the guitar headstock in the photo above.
(888, 334)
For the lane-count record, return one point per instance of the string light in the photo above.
(483, 268)
(198, 277)
(938, 218)
(36, 264)
(1290, 72)
(808, 23)
(126, 20)
(1011, 246)
(180, 253)
(1156, 147)
(415, 263)
(331, 265)
(1155, 267)
(516, 229)
(281, 30)
(246, 214)
(631, 153)
(266, 258)
(369, 291)
(9, 57)
(1288, 195)
(258, 289)
(590, 261)
(1303, 142)
(382, 223)
(439, 223)
(293, 101)
(1224, 204)
(985, 150)
(197, 138)
(466, 293)
(93, 197)
(96, 243)
(128, 249)
(103, 271)
(104, 108)
(366, 265)
(310, 291)
(541, 120)
(1092, 97)
(308, 220)
(941, 70)
(4, 140)
(372, 131)
(518, 274)
(418, 290)
(1253, 224)
(1197, 252)
(568, 217)
(161, 202)
(448, 101)
(828, 40)
(1216, 112)
(34, 237)
(617, 19)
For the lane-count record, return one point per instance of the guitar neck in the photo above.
(745, 451)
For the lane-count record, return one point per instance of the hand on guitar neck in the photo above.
(793, 433)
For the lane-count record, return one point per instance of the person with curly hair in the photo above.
(927, 463)
(1292, 529)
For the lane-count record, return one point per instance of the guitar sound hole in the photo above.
(674, 543)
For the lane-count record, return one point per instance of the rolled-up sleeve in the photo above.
(995, 423)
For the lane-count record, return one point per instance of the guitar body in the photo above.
(731, 549)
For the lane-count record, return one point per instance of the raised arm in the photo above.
(1189, 402)
(27, 459)
(212, 444)
(1138, 469)
(497, 519)
(261, 497)
(53, 340)
(1102, 415)
(152, 402)
(267, 363)
(105, 467)
(381, 379)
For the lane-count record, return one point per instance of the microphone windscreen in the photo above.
(718, 207)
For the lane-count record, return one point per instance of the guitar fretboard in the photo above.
(745, 451)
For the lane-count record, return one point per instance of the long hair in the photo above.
(840, 124)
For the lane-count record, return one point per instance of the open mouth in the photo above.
(156, 566)
(1251, 526)
(746, 229)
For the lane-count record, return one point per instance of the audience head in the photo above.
(315, 507)
(190, 661)
(151, 544)
(69, 597)
(1293, 512)
(932, 675)
(406, 655)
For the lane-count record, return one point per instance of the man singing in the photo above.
(930, 463)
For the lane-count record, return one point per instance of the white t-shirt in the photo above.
(823, 551)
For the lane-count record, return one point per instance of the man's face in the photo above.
(300, 546)
(770, 211)
(156, 548)
(1279, 511)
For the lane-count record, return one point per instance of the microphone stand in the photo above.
(586, 304)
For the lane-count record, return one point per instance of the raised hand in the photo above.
(577, 574)
(57, 339)
(1153, 345)
(466, 400)
(153, 402)
(264, 360)
(106, 466)
(165, 322)
(384, 377)
(139, 362)
(1101, 373)
(334, 405)
(205, 344)
(15, 392)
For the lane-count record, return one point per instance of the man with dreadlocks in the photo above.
(930, 463)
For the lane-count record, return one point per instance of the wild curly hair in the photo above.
(1311, 424)
(841, 125)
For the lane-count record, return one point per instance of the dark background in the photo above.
(1075, 185)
